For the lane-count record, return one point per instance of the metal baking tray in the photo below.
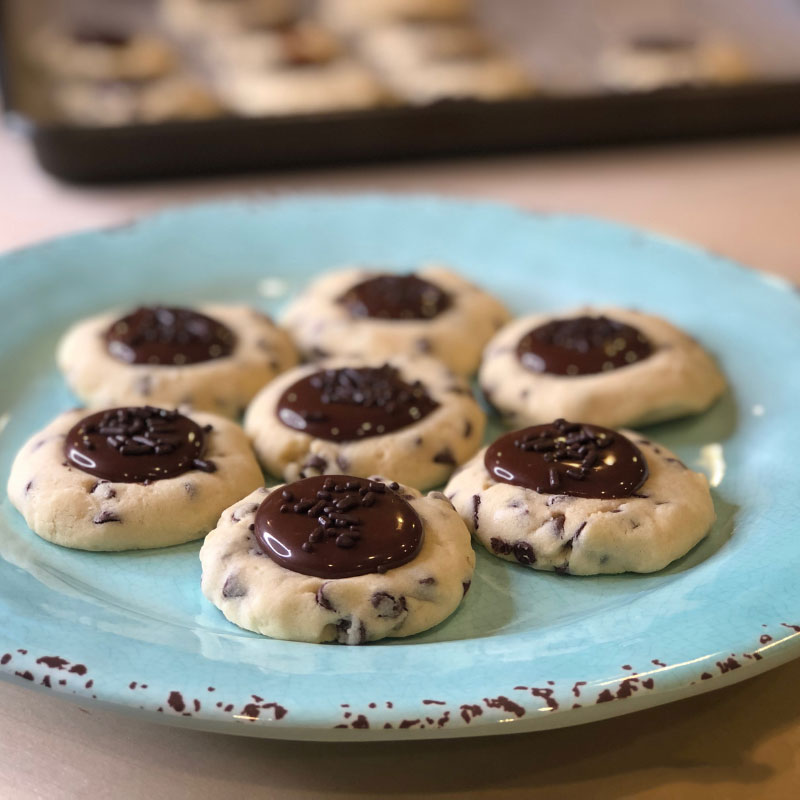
(559, 41)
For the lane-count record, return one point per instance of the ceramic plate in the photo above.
(526, 650)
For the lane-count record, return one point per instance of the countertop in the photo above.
(739, 198)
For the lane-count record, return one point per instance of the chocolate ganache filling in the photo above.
(343, 405)
(140, 444)
(163, 335)
(568, 458)
(337, 526)
(395, 297)
(582, 346)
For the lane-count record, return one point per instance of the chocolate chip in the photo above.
(476, 504)
(387, 606)
(523, 552)
(467, 429)
(28, 486)
(427, 581)
(558, 523)
(342, 462)
(578, 531)
(445, 456)
(500, 546)
(423, 345)
(106, 516)
(315, 462)
(322, 600)
(465, 587)
(233, 587)
(348, 634)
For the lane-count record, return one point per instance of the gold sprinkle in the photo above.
(179, 358)
(572, 370)
(630, 356)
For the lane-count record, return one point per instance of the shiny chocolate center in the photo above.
(568, 458)
(343, 405)
(337, 526)
(132, 445)
(395, 297)
(168, 336)
(582, 346)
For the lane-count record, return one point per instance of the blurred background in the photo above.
(133, 89)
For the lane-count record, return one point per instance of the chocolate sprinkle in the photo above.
(568, 458)
(338, 527)
(582, 346)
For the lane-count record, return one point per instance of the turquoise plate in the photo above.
(526, 650)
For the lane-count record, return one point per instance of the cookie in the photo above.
(101, 54)
(583, 500)
(301, 43)
(359, 312)
(130, 478)
(338, 559)
(652, 61)
(607, 366)
(406, 417)
(423, 63)
(311, 77)
(108, 103)
(208, 18)
(353, 16)
(214, 358)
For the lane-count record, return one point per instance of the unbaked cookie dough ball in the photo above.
(299, 68)
(606, 366)
(214, 358)
(648, 62)
(424, 63)
(406, 417)
(130, 478)
(102, 53)
(338, 559)
(359, 312)
(353, 16)
(581, 499)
